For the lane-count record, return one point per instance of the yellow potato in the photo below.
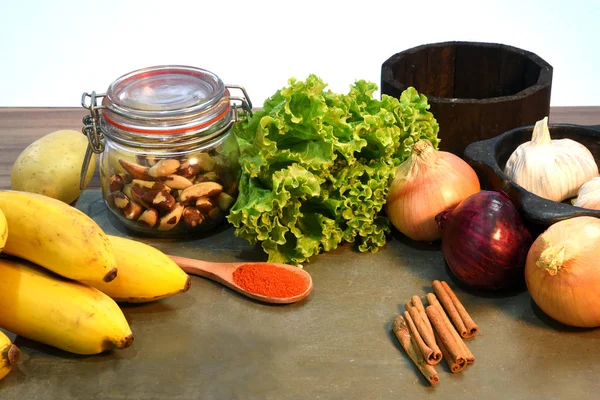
(52, 166)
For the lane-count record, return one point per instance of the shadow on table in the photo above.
(541, 319)
(40, 350)
(413, 244)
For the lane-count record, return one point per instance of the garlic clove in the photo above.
(552, 169)
(589, 195)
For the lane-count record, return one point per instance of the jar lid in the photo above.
(169, 99)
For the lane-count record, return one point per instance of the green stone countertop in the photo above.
(212, 343)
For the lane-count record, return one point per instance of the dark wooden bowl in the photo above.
(476, 90)
(488, 158)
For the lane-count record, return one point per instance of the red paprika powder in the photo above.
(269, 280)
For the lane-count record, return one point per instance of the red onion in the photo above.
(485, 242)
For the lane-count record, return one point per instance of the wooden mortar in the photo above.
(476, 90)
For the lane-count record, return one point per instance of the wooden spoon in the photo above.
(222, 272)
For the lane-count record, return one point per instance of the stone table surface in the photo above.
(212, 343)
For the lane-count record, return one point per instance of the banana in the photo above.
(3, 231)
(42, 306)
(9, 355)
(56, 236)
(145, 273)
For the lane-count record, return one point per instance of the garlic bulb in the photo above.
(589, 195)
(552, 169)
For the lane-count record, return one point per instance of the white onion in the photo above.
(562, 271)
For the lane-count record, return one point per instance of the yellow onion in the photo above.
(562, 271)
(426, 183)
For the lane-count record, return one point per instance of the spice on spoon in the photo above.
(269, 280)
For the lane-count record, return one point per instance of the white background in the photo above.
(52, 51)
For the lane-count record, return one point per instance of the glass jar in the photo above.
(168, 160)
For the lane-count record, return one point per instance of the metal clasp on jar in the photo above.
(91, 129)
(246, 104)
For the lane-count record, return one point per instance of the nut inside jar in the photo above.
(176, 194)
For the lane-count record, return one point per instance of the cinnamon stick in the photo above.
(450, 308)
(456, 353)
(454, 366)
(416, 301)
(432, 300)
(403, 335)
(434, 354)
(470, 325)
(427, 351)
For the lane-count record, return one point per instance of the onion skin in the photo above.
(425, 184)
(485, 242)
(563, 272)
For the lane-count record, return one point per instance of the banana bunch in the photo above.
(56, 236)
(63, 277)
(60, 312)
(9, 355)
(3, 230)
(145, 273)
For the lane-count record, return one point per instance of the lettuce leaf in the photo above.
(316, 166)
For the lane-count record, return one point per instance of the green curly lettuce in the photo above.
(316, 166)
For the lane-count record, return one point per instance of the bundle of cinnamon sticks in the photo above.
(431, 333)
